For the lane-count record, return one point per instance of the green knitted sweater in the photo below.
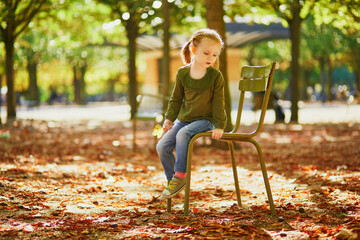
(195, 99)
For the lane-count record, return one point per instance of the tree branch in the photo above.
(23, 15)
(350, 8)
(276, 7)
(27, 20)
(16, 4)
(120, 16)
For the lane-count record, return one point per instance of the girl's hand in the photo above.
(167, 125)
(217, 133)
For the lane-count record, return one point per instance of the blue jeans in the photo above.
(179, 137)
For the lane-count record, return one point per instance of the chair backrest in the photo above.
(255, 79)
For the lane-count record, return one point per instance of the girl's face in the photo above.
(206, 52)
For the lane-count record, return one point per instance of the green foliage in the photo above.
(263, 53)
(73, 34)
(92, 33)
(19, 13)
(320, 39)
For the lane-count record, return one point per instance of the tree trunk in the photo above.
(322, 78)
(132, 33)
(79, 85)
(356, 57)
(10, 78)
(165, 88)
(82, 83)
(0, 97)
(250, 55)
(215, 20)
(111, 83)
(76, 86)
(329, 80)
(33, 86)
(357, 81)
(295, 25)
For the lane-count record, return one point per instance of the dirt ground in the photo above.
(83, 181)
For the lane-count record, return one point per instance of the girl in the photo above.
(197, 102)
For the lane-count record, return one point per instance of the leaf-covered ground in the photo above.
(83, 181)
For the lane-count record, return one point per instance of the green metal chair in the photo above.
(253, 79)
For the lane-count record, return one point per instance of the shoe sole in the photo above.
(172, 195)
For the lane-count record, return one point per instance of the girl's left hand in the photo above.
(217, 133)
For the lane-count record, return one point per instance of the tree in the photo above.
(133, 15)
(293, 12)
(2, 71)
(337, 25)
(345, 15)
(76, 31)
(215, 20)
(320, 45)
(15, 16)
(166, 53)
(32, 46)
(354, 51)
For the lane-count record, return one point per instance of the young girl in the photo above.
(197, 102)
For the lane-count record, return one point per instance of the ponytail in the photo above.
(185, 53)
(217, 63)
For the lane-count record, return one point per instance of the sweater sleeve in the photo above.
(176, 100)
(219, 114)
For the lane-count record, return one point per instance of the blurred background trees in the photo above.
(86, 50)
(14, 19)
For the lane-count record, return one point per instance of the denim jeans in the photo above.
(178, 137)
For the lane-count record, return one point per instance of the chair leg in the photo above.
(168, 207)
(188, 176)
(168, 202)
(236, 179)
(265, 176)
(187, 191)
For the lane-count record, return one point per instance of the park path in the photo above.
(309, 113)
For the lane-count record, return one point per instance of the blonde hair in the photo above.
(196, 39)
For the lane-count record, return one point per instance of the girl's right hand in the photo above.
(167, 125)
